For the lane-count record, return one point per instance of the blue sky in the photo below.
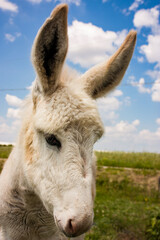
(131, 114)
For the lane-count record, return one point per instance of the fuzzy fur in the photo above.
(48, 193)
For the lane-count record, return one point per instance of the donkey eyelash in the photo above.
(53, 141)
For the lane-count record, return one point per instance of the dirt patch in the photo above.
(127, 236)
(143, 178)
(149, 181)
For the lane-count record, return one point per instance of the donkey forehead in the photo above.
(64, 109)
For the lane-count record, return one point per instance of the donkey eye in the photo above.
(53, 141)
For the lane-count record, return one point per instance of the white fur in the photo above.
(48, 193)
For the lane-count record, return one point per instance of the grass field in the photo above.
(124, 204)
(127, 204)
(143, 160)
(5, 150)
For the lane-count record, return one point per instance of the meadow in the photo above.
(141, 160)
(127, 204)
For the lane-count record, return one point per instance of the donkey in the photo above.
(47, 186)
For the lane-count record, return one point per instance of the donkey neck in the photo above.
(21, 211)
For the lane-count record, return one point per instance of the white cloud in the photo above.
(136, 122)
(8, 6)
(104, 1)
(140, 86)
(152, 50)
(145, 134)
(140, 59)
(123, 127)
(76, 2)
(89, 44)
(8, 131)
(11, 38)
(125, 136)
(13, 100)
(35, 1)
(13, 113)
(116, 93)
(110, 116)
(155, 74)
(147, 18)
(4, 128)
(158, 121)
(156, 91)
(135, 5)
(108, 104)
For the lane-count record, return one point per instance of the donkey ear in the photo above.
(104, 77)
(50, 48)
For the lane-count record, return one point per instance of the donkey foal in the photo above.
(47, 186)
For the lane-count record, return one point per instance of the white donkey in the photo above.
(47, 186)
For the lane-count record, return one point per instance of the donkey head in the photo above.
(65, 125)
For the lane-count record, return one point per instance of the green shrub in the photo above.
(153, 228)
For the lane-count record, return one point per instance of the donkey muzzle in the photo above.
(73, 227)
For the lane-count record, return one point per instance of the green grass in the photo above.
(122, 209)
(4, 153)
(5, 150)
(131, 160)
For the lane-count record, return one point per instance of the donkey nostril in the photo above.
(74, 227)
(70, 226)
